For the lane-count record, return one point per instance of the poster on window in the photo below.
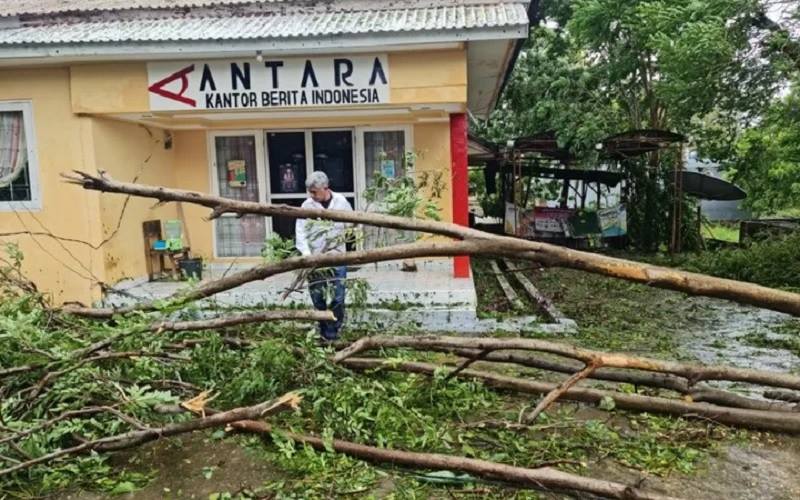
(289, 180)
(387, 168)
(237, 174)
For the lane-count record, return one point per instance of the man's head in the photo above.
(318, 186)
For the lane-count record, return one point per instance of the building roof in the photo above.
(256, 20)
(39, 7)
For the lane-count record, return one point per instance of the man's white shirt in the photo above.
(314, 236)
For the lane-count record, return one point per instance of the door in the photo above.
(291, 157)
(235, 174)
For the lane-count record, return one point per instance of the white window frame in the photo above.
(261, 179)
(361, 160)
(35, 203)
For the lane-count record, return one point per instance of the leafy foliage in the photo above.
(708, 69)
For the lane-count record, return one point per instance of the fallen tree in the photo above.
(482, 243)
(695, 392)
(752, 419)
(692, 372)
(543, 478)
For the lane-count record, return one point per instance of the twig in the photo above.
(561, 389)
(477, 357)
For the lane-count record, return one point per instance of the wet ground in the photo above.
(757, 471)
(722, 336)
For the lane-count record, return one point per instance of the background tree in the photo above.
(709, 69)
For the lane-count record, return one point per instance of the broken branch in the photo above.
(540, 478)
(692, 372)
(138, 437)
(737, 417)
(553, 255)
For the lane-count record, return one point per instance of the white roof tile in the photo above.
(269, 22)
(40, 7)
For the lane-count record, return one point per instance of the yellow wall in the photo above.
(65, 270)
(128, 151)
(191, 173)
(432, 147)
(419, 77)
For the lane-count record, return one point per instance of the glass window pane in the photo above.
(333, 154)
(240, 237)
(383, 152)
(287, 162)
(236, 167)
(14, 179)
(284, 226)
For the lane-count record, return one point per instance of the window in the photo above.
(19, 188)
(237, 178)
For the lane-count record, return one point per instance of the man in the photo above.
(318, 236)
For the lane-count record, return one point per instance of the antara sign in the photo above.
(271, 83)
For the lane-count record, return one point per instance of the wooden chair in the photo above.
(154, 259)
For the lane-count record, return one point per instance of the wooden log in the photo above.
(545, 304)
(634, 377)
(542, 478)
(737, 417)
(553, 255)
(241, 319)
(505, 286)
(693, 372)
(791, 397)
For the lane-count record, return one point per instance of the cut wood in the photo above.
(505, 286)
(737, 417)
(542, 478)
(553, 255)
(138, 437)
(545, 304)
(692, 372)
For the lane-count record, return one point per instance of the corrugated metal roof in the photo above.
(267, 24)
(40, 7)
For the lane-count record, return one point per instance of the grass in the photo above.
(721, 231)
(616, 315)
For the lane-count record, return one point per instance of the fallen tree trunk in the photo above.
(138, 437)
(241, 319)
(692, 372)
(791, 397)
(627, 376)
(751, 419)
(553, 255)
(543, 478)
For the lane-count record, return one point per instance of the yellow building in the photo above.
(233, 97)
